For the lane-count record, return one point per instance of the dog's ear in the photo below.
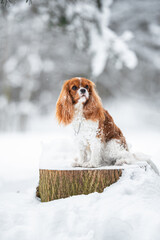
(64, 106)
(93, 109)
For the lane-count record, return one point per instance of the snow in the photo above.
(129, 209)
(35, 63)
(10, 64)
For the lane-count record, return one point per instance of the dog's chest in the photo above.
(86, 129)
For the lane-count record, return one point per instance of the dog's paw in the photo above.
(76, 163)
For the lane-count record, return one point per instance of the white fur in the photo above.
(84, 96)
(92, 151)
(115, 153)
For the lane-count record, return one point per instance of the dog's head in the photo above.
(77, 90)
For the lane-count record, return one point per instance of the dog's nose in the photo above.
(83, 90)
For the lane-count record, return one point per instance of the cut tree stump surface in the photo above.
(56, 184)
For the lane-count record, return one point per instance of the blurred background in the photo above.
(116, 44)
(42, 43)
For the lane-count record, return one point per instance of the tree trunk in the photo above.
(55, 184)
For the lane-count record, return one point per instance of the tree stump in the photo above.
(56, 184)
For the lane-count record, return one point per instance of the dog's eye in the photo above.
(86, 86)
(74, 88)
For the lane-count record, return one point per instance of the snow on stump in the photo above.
(56, 184)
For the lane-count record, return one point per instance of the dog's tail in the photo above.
(145, 158)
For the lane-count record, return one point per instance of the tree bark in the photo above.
(56, 184)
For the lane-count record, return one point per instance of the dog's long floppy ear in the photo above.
(93, 110)
(64, 106)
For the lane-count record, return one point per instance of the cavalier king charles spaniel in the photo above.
(100, 141)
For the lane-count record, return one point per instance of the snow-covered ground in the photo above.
(129, 209)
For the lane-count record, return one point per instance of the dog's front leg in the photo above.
(96, 153)
(82, 158)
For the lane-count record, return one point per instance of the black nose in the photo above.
(83, 90)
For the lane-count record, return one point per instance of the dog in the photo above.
(100, 141)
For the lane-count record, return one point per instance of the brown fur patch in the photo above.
(109, 130)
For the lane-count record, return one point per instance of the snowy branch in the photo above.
(89, 21)
(90, 25)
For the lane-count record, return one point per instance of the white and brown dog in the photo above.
(100, 141)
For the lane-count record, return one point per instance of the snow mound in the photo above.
(128, 210)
